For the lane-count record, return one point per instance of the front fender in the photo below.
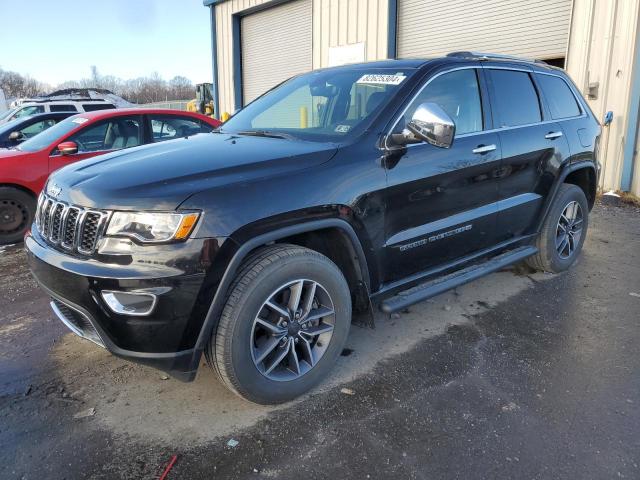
(246, 246)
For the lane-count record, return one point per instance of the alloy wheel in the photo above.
(292, 330)
(569, 230)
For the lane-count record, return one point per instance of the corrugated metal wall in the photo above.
(224, 28)
(601, 50)
(528, 28)
(335, 23)
(276, 45)
(345, 22)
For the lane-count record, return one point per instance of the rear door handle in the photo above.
(484, 148)
(552, 135)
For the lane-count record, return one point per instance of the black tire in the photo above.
(230, 351)
(17, 209)
(548, 258)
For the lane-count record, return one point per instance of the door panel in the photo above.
(440, 204)
(530, 162)
(533, 148)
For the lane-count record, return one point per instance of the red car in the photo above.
(24, 170)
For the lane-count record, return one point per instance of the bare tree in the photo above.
(137, 90)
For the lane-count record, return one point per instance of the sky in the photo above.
(58, 40)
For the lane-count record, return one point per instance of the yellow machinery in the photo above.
(203, 103)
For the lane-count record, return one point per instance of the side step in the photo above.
(442, 284)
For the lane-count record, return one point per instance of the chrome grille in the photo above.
(71, 227)
(69, 230)
(89, 235)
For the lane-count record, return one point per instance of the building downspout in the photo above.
(214, 62)
(632, 121)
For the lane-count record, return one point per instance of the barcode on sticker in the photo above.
(379, 79)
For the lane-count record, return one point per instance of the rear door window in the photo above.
(62, 108)
(92, 107)
(562, 103)
(515, 98)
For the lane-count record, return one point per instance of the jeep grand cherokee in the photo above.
(378, 184)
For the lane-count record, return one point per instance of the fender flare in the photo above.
(217, 304)
(564, 173)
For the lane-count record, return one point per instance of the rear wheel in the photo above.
(17, 209)
(563, 232)
(285, 322)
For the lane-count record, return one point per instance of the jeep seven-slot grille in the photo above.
(70, 227)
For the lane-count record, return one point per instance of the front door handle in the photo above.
(552, 135)
(484, 148)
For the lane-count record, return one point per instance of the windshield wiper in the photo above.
(264, 133)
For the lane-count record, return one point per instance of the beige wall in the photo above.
(335, 23)
(345, 22)
(601, 44)
(224, 12)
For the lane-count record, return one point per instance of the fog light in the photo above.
(130, 303)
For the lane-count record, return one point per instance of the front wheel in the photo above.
(563, 232)
(17, 209)
(284, 324)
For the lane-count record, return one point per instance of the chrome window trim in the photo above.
(493, 130)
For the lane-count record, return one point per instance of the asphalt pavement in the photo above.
(518, 375)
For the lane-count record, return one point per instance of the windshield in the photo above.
(7, 114)
(46, 138)
(8, 126)
(320, 106)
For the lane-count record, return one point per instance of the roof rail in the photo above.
(491, 56)
(64, 99)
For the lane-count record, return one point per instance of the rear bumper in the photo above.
(165, 339)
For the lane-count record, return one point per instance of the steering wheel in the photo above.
(81, 146)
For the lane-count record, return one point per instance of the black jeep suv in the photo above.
(375, 184)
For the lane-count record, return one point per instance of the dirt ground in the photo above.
(514, 375)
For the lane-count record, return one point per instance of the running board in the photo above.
(447, 282)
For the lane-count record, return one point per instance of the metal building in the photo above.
(257, 44)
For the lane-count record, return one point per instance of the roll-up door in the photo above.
(276, 44)
(528, 28)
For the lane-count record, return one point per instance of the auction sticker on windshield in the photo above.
(380, 79)
(80, 120)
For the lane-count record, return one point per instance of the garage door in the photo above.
(276, 44)
(529, 28)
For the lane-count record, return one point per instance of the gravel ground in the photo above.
(517, 375)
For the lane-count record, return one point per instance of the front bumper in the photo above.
(165, 338)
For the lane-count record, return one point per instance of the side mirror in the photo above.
(16, 136)
(430, 123)
(68, 148)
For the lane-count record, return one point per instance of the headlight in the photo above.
(152, 227)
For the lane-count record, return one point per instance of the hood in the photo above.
(11, 153)
(161, 176)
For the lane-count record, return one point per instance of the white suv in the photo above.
(33, 108)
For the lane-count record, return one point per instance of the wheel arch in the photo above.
(582, 174)
(585, 178)
(22, 188)
(309, 234)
